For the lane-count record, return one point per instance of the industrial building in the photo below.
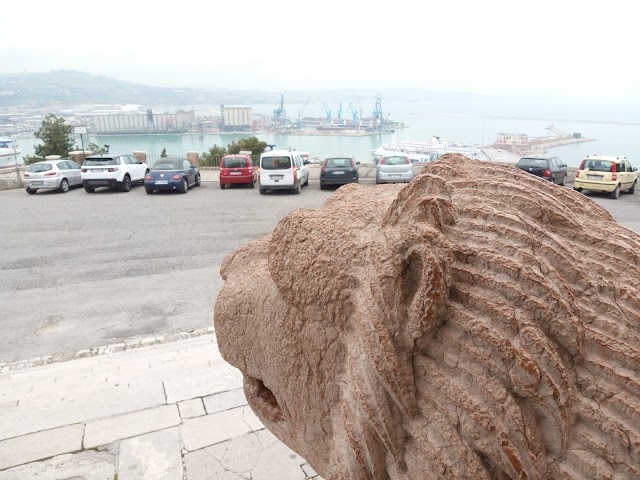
(132, 123)
(236, 119)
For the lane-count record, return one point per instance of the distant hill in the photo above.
(69, 87)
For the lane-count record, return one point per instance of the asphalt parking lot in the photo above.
(80, 270)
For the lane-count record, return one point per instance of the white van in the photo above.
(283, 169)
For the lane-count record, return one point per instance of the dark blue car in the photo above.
(172, 174)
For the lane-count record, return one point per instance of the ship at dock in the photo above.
(427, 151)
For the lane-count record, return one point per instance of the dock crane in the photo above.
(300, 112)
(328, 112)
(376, 118)
(340, 114)
(354, 114)
(280, 113)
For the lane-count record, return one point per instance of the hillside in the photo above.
(69, 87)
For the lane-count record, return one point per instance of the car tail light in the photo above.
(614, 177)
(324, 164)
(382, 161)
(148, 177)
(84, 170)
(353, 164)
(26, 174)
(614, 168)
(113, 169)
(546, 173)
(50, 174)
(295, 173)
(176, 177)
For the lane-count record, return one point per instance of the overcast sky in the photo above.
(558, 48)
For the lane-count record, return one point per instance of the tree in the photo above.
(252, 144)
(54, 134)
(163, 154)
(95, 149)
(215, 152)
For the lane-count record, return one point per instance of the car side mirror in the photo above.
(357, 163)
(563, 165)
(635, 169)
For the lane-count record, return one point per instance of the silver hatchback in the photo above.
(394, 169)
(52, 175)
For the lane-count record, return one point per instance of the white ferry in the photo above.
(427, 151)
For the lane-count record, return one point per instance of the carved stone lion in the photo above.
(478, 323)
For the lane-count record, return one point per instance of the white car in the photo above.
(114, 171)
(283, 170)
(51, 175)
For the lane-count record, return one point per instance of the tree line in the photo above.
(56, 139)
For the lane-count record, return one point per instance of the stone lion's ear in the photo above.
(425, 200)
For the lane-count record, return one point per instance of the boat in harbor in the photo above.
(6, 149)
(420, 152)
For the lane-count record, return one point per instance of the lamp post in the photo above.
(14, 144)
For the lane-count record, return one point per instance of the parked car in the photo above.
(283, 169)
(237, 169)
(546, 167)
(601, 173)
(51, 175)
(338, 171)
(113, 171)
(393, 169)
(172, 174)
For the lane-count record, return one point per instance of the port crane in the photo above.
(354, 114)
(340, 114)
(328, 112)
(376, 118)
(300, 112)
(280, 113)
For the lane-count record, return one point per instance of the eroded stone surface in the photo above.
(478, 323)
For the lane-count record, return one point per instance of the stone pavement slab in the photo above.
(152, 456)
(89, 465)
(149, 413)
(35, 446)
(107, 430)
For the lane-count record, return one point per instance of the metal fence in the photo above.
(214, 161)
(153, 159)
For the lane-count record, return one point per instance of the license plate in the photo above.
(236, 173)
(37, 183)
(395, 174)
(162, 182)
(594, 177)
(338, 172)
(276, 177)
(97, 170)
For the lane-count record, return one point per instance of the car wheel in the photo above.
(222, 186)
(89, 189)
(297, 189)
(185, 185)
(64, 185)
(322, 186)
(306, 183)
(564, 181)
(263, 191)
(31, 191)
(633, 188)
(149, 190)
(198, 180)
(252, 185)
(126, 184)
(616, 192)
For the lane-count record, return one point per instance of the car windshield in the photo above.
(276, 163)
(168, 166)
(39, 167)
(234, 162)
(598, 165)
(395, 160)
(101, 161)
(532, 163)
(338, 162)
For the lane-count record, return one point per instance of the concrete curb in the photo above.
(101, 350)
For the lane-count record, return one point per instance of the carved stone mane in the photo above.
(478, 323)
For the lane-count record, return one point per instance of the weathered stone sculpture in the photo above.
(478, 323)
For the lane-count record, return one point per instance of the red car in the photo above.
(237, 169)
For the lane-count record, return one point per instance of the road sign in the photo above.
(80, 130)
